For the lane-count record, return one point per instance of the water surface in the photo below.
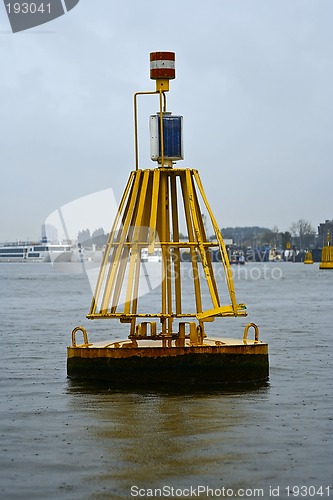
(61, 439)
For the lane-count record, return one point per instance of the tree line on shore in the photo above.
(301, 235)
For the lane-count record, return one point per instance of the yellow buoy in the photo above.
(142, 278)
(327, 254)
(308, 258)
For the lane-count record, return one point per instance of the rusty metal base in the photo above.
(194, 365)
(326, 265)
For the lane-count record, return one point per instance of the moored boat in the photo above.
(35, 252)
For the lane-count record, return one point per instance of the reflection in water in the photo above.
(151, 439)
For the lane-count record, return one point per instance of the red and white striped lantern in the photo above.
(162, 65)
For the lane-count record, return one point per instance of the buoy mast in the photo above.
(149, 217)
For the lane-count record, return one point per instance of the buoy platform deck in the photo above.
(145, 362)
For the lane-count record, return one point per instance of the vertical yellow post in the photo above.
(168, 255)
(163, 238)
(176, 251)
(190, 232)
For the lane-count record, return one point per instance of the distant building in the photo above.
(323, 229)
(49, 234)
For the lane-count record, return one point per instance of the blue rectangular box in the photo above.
(172, 134)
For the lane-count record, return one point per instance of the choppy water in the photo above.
(60, 439)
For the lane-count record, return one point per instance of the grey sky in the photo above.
(254, 82)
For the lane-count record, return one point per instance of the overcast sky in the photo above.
(254, 82)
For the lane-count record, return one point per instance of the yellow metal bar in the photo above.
(118, 263)
(204, 240)
(136, 281)
(167, 248)
(135, 251)
(161, 131)
(163, 236)
(113, 268)
(209, 315)
(108, 248)
(222, 311)
(114, 260)
(162, 99)
(130, 279)
(123, 261)
(136, 135)
(142, 234)
(154, 208)
(176, 253)
(127, 317)
(223, 251)
(124, 258)
(194, 211)
(145, 233)
(196, 279)
(119, 279)
(171, 244)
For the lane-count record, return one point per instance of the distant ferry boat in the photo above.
(155, 256)
(35, 252)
